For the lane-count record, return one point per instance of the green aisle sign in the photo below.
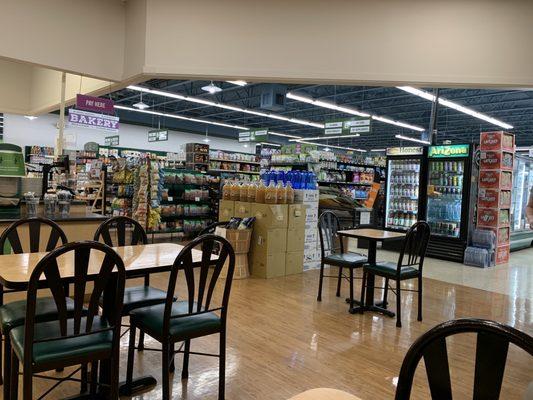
(111, 140)
(254, 135)
(158, 135)
(452, 150)
(11, 161)
(347, 126)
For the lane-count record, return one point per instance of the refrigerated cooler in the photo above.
(521, 231)
(403, 191)
(449, 201)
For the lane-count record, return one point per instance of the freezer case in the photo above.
(448, 201)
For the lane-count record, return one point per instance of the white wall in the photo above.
(42, 131)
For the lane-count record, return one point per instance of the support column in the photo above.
(61, 125)
(433, 120)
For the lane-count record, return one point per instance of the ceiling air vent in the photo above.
(273, 97)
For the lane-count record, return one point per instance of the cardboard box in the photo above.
(502, 254)
(312, 246)
(503, 235)
(243, 209)
(294, 263)
(296, 216)
(499, 140)
(269, 266)
(311, 265)
(239, 238)
(311, 235)
(311, 255)
(269, 241)
(268, 216)
(502, 180)
(500, 160)
(295, 240)
(493, 198)
(226, 210)
(492, 217)
(306, 196)
(311, 215)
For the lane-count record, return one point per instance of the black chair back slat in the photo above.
(437, 369)
(111, 272)
(121, 224)
(328, 226)
(491, 357)
(198, 295)
(210, 229)
(11, 235)
(493, 340)
(414, 246)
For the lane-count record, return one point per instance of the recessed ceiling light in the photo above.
(378, 150)
(211, 88)
(206, 140)
(30, 117)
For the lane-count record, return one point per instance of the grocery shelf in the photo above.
(344, 183)
(235, 161)
(235, 172)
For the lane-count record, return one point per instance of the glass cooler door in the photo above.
(403, 180)
(445, 197)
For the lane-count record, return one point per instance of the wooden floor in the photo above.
(282, 342)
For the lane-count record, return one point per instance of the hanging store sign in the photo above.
(158, 135)
(347, 126)
(111, 140)
(405, 151)
(86, 119)
(453, 150)
(253, 135)
(96, 104)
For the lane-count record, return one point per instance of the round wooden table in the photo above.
(324, 394)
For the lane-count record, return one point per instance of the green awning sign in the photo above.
(452, 150)
(254, 135)
(11, 161)
(347, 126)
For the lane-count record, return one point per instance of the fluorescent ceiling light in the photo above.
(238, 83)
(30, 117)
(334, 147)
(269, 144)
(378, 150)
(206, 140)
(523, 148)
(350, 110)
(327, 149)
(226, 106)
(412, 139)
(327, 137)
(284, 135)
(455, 106)
(211, 88)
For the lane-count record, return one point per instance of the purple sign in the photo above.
(91, 120)
(95, 104)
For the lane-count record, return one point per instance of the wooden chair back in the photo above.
(328, 226)
(122, 225)
(12, 235)
(414, 246)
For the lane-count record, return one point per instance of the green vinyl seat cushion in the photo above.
(346, 259)
(141, 296)
(388, 269)
(67, 350)
(13, 314)
(150, 319)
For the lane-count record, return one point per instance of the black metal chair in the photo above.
(77, 338)
(12, 314)
(181, 321)
(491, 355)
(332, 253)
(134, 296)
(210, 229)
(409, 266)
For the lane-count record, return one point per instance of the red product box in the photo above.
(492, 218)
(494, 198)
(496, 180)
(499, 140)
(502, 160)
(502, 254)
(503, 235)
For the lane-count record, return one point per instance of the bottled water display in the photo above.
(299, 179)
(403, 180)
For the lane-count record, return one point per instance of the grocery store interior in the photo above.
(192, 211)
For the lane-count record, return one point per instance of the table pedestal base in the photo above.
(138, 385)
(374, 308)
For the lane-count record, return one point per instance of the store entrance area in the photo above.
(305, 235)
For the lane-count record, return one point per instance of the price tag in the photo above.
(170, 198)
(196, 199)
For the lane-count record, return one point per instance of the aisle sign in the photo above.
(158, 135)
(96, 104)
(91, 120)
(111, 140)
(254, 135)
(405, 151)
(347, 126)
(452, 150)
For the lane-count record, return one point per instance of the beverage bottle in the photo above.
(281, 194)
(280, 177)
(270, 193)
(266, 177)
(260, 193)
(252, 190)
(289, 193)
(243, 192)
(235, 192)
(226, 191)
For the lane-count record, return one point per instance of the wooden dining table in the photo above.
(373, 236)
(324, 394)
(139, 260)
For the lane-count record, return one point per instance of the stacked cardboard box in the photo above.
(495, 185)
(310, 198)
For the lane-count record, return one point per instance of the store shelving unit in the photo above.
(197, 156)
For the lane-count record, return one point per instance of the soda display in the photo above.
(403, 183)
(445, 194)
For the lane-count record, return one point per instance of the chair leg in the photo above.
(114, 375)
(165, 371)
(339, 281)
(93, 387)
(351, 287)
(140, 347)
(385, 292)
(319, 297)
(222, 366)
(7, 367)
(84, 374)
(1, 374)
(172, 367)
(398, 304)
(185, 370)
(131, 355)
(419, 298)
(14, 378)
(363, 289)
(27, 385)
